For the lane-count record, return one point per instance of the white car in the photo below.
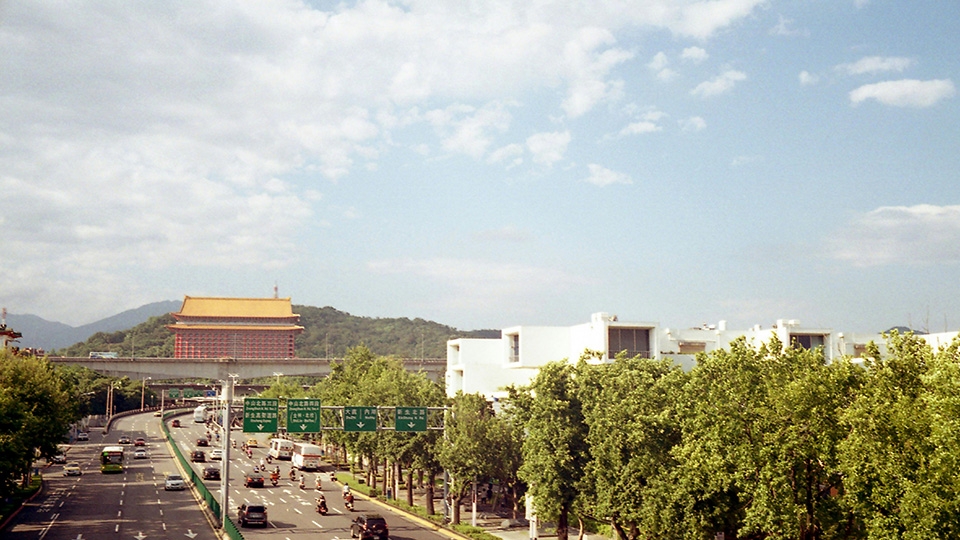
(140, 453)
(83, 436)
(174, 482)
(72, 469)
(216, 453)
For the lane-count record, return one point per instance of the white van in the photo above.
(200, 414)
(306, 457)
(281, 448)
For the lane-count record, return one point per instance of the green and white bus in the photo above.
(111, 459)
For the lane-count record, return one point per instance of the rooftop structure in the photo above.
(235, 327)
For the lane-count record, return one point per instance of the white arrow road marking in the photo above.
(191, 534)
(139, 535)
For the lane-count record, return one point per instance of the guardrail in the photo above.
(229, 527)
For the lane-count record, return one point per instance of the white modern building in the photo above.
(488, 365)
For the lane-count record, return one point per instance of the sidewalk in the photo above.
(489, 521)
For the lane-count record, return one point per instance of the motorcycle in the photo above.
(303, 484)
(318, 484)
(293, 475)
(348, 502)
(274, 479)
(322, 506)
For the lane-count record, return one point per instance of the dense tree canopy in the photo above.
(36, 408)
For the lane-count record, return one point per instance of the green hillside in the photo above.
(327, 333)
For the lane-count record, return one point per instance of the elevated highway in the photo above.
(222, 368)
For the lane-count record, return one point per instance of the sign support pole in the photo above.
(227, 394)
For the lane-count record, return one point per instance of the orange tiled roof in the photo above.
(236, 307)
(176, 327)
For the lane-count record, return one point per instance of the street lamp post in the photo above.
(278, 374)
(227, 396)
(143, 388)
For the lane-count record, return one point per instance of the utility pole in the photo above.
(226, 394)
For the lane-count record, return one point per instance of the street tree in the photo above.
(555, 451)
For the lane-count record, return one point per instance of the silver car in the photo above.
(174, 482)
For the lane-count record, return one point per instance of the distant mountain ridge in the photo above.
(328, 333)
(40, 333)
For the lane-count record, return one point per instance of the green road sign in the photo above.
(173, 393)
(303, 415)
(359, 418)
(411, 419)
(260, 415)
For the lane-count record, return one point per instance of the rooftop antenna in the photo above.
(3, 321)
(275, 290)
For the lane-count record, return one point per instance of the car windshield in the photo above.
(256, 508)
(174, 477)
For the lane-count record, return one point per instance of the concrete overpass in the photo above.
(222, 368)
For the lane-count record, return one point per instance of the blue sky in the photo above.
(486, 164)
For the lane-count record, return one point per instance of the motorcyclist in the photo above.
(346, 491)
(318, 483)
(303, 482)
(275, 477)
(293, 474)
(348, 501)
(321, 504)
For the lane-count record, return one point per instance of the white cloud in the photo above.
(913, 235)
(511, 154)
(876, 64)
(905, 93)
(659, 61)
(547, 148)
(469, 130)
(808, 79)
(783, 28)
(639, 128)
(694, 123)
(659, 64)
(602, 176)
(587, 70)
(720, 84)
(695, 54)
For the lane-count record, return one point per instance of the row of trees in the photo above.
(756, 442)
(36, 407)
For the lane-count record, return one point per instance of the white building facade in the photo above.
(486, 366)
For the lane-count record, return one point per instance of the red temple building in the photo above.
(235, 327)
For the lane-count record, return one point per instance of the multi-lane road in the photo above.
(128, 505)
(134, 504)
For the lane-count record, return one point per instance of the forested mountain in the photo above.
(40, 333)
(327, 332)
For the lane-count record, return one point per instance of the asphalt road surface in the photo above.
(134, 504)
(292, 511)
(128, 505)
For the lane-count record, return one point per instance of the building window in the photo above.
(634, 341)
(692, 347)
(514, 341)
(807, 341)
